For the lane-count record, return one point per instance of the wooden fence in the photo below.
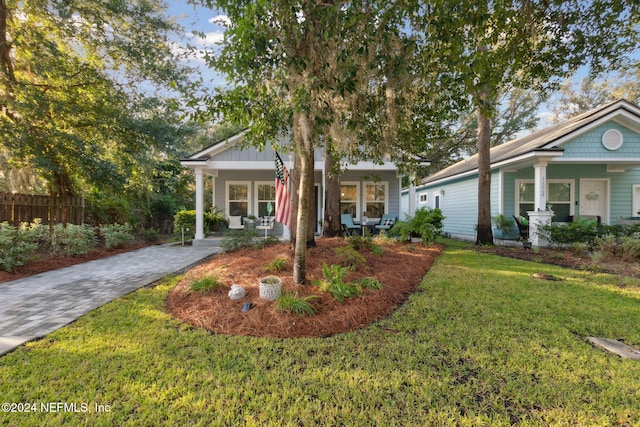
(17, 208)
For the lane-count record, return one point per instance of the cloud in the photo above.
(212, 38)
(221, 21)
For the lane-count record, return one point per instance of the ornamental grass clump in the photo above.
(205, 284)
(296, 304)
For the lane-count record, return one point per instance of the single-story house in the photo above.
(243, 182)
(588, 165)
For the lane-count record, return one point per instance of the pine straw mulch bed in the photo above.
(400, 269)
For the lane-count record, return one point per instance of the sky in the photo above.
(204, 20)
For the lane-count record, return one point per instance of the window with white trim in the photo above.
(560, 198)
(525, 197)
(238, 198)
(424, 198)
(266, 197)
(375, 199)
(349, 198)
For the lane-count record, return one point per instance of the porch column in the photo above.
(540, 186)
(412, 194)
(199, 204)
(538, 219)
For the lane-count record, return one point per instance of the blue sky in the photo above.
(200, 19)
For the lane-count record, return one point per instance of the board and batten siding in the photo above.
(390, 177)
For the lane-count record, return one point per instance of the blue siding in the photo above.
(589, 145)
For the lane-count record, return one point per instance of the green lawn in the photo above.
(481, 343)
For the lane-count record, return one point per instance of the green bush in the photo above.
(630, 248)
(371, 283)
(294, 303)
(205, 284)
(350, 257)
(334, 282)
(238, 239)
(358, 242)
(214, 220)
(581, 231)
(72, 240)
(116, 235)
(425, 224)
(150, 235)
(16, 246)
(185, 220)
(277, 265)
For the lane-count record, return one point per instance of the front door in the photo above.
(594, 198)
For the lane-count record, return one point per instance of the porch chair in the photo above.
(235, 223)
(522, 228)
(265, 223)
(386, 222)
(348, 226)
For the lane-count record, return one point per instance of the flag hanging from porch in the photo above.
(283, 201)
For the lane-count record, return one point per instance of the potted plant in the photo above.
(503, 224)
(270, 288)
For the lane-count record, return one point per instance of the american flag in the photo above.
(283, 202)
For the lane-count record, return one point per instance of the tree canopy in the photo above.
(83, 87)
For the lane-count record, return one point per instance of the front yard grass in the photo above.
(481, 343)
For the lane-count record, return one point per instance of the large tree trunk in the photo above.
(331, 222)
(485, 235)
(304, 149)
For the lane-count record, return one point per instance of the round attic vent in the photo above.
(612, 139)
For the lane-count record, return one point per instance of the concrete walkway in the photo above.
(35, 306)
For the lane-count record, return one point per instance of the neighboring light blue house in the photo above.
(243, 181)
(586, 166)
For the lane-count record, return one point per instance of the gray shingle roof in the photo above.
(544, 139)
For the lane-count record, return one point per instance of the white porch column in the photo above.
(412, 194)
(540, 174)
(199, 204)
(536, 220)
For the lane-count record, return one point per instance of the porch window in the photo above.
(526, 197)
(266, 195)
(238, 198)
(349, 198)
(560, 198)
(375, 199)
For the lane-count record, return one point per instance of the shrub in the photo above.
(72, 240)
(150, 235)
(425, 224)
(377, 250)
(630, 248)
(205, 284)
(16, 247)
(350, 257)
(185, 220)
(358, 242)
(371, 283)
(37, 233)
(582, 231)
(334, 282)
(116, 235)
(293, 303)
(238, 239)
(214, 220)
